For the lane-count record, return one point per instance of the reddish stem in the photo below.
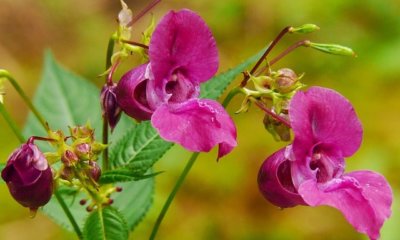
(270, 47)
(143, 12)
(136, 44)
(112, 71)
(33, 138)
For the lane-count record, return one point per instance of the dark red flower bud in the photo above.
(28, 176)
(94, 171)
(83, 150)
(286, 80)
(109, 105)
(69, 158)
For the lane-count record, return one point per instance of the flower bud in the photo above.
(67, 173)
(286, 80)
(83, 151)
(28, 176)
(332, 49)
(109, 105)
(279, 131)
(125, 15)
(69, 158)
(306, 28)
(94, 171)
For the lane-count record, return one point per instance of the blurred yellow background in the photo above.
(221, 200)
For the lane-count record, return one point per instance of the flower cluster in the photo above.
(182, 54)
(310, 171)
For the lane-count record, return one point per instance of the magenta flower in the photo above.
(182, 54)
(311, 170)
(28, 176)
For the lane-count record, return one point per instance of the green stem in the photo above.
(231, 95)
(11, 123)
(69, 214)
(6, 74)
(110, 52)
(171, 196)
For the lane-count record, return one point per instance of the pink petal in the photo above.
(363, 197)
(198, 125)
(183, 42)
(321, 115)
(275, 181)
(131, 93)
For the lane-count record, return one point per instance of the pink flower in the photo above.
(311, 170)
(183, 54)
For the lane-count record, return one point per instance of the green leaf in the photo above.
(124, 175)
(214, 88)
(65, 99)
(139, 149)
(105, 224)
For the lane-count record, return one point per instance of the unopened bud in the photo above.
(306, 28)
(110, 108)
(286, 80)
(332, 49)
(82, 202)
(69, 158)
(279, 131)
(83, 150)
(67, 173)
(94, 171)
(118, 189)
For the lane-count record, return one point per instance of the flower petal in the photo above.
(275, 181)
(321, 115)
(198, 125)
(131, 94)
(182, 41)
(363, 197)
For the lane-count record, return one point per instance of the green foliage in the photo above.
(124, 175)
(105, 224)
(65, 100)
(214, 88)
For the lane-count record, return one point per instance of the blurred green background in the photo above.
(221, 200)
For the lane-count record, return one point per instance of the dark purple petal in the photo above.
(28, 176)
(363, 197)
(132, 94)
(182, 43)
(275, 181)
(321, 115)
(198, 125)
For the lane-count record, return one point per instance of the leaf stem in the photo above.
(69, 214)
(110, 52)
(230, 96)
(11, 123)
(171, 196)
(289, 50)
(7, 75)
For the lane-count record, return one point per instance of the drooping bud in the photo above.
(306, 28)
(332, 49)
(67, 173)
(28, 176)
(94, 171)
(278, 130)
(110, 108)
(125, 15)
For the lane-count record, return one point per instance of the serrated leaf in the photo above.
(65, 99)
(139, 149)
(214, 88)
(124, 175)
(106, 224)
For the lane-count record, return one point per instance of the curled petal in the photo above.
(321, 115)
(183, 43)
(275, 181)
(198, 125)
(131, 94)
(364, 198)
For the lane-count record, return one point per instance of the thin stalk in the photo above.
(135, 44)
(11, 123)
(267, 51)
(69, 214)
(110, 52)
(289, 50)
(143, 12)
(5, 74)
(171, 196)
(230, 96)
(272, 114)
